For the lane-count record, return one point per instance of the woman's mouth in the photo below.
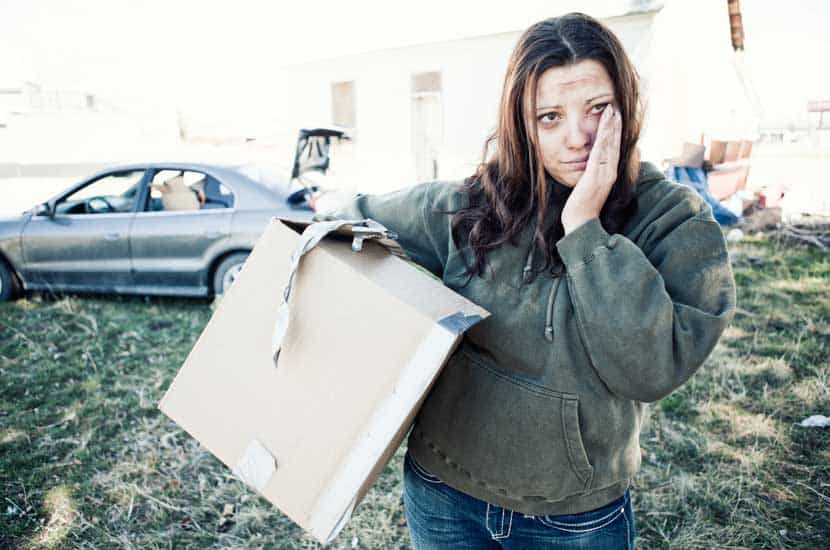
(576, 164)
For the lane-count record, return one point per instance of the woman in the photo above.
(608, 287)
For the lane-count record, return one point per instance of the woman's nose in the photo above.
(580, 133)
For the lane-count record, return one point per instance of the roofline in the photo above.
(175, 163)
(653, 7)
(646, 10)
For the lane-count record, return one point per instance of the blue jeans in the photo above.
(440, 517)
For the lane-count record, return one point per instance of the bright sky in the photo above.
(195, 54)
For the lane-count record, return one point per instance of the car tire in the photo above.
(8, 284)
(227, 270)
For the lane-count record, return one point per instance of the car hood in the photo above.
(14, 219)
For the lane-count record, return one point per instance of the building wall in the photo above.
(60, 127)
(693, 81)
(380, 158)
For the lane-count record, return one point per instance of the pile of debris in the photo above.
(809, 230)
(718, 172)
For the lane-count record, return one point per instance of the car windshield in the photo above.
(111, 193)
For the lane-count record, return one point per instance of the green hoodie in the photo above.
(539, 409)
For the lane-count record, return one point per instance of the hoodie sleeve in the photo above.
(412, 214)
(650, 320)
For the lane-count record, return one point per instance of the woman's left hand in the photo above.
(591, 191)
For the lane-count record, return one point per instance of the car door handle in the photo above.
(112, 236)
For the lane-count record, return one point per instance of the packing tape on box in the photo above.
(361, 230)
(459, 322)
(256, 466)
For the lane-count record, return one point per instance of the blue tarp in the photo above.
(696, 179)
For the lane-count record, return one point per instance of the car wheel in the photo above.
(8, 286)
(227, 271)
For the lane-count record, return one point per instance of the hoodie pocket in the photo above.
(505, 434)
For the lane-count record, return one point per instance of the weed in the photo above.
(87, 460)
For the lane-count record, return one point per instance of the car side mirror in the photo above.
(46, 209)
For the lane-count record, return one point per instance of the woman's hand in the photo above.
(592, 189)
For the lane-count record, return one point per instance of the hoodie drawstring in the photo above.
(528, 265)
(557, 276)
(549, 317)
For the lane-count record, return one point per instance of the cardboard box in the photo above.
(733, 151)
(746, 149)
(692, 156)
(368, 335)
(717, 151)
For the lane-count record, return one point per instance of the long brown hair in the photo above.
(511, 184)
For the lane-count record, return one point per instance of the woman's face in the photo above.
(569, 102)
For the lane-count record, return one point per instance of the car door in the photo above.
(176, 236)
(84, 245)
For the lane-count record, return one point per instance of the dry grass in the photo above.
(87, 461)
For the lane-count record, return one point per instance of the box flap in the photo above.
(405, 280)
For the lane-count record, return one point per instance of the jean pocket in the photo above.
(586, 522)
(419, 470)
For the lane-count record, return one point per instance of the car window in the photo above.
(187, 190)
(217, 194)
(113, 193)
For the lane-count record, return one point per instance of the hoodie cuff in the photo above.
(576, 247)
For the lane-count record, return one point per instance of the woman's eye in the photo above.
(599, 107)
(549, 117)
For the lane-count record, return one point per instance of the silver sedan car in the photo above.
(158, 228)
